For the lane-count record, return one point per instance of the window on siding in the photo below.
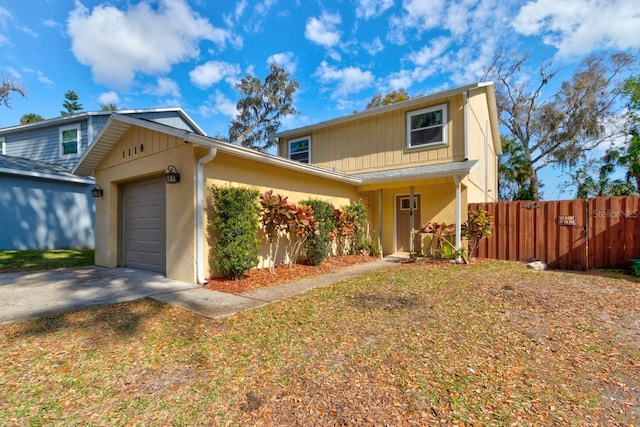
(427, 127)
(70, 140)
(300, 149)
(3, 143)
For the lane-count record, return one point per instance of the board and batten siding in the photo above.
(379, 141)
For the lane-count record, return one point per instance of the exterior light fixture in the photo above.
(172, 175)
(96, 191)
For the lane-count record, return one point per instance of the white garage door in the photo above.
(145, 225)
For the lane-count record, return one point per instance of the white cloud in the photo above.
(110, 97)
(212, 72)
(44, 79)
(374, 47)
(50, 23)
(578, 27)
(366, 9)
(430, 52)
(349, 80)
(221, 105)
(417, 16)
(324, 30)
(164, 87)
(5, 17)
(118, 44)
(284, 59)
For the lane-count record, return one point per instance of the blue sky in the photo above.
(190, 53)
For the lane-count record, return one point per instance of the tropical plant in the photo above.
(478, 226)
(317, 245)
(275, 216)
(30, 118)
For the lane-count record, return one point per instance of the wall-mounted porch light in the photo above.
(96, 191)
(172, 175)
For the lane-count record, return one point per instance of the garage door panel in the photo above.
(145, 225)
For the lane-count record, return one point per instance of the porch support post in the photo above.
(457, 181)
(411, 219)
(380, 222)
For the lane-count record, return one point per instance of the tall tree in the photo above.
(262, 107)
(559, 128)
(391, 98)
(629, 156)
(7, 87)
(30, 118)
(71, 104)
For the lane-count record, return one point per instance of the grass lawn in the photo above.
(25, 260)
(416, 344)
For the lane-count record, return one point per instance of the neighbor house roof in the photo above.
(418, 100)
(442, 170)
(64, 119)
(10, 165)
(118, 124)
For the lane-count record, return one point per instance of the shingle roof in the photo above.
(10, 165)
(418, 172)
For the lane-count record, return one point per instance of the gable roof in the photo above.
(10, 165)
(118, 125)
(418, 100)
(58, 121)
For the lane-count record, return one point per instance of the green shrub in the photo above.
(233, 230)
(316, 247)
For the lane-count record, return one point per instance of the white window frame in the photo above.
(3, 144)
(445, 140)
(78, 131)
(293, 141)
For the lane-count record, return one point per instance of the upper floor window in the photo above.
(427, 127)
(70, 140)
(300, 149)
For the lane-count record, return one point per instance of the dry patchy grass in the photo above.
(417, 344)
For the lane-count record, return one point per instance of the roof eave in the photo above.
(418, 100)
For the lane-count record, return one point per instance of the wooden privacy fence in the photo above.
(603, 232)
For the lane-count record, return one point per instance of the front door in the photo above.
(403, 220)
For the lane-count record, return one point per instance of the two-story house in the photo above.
(43, 205)
(412, 162)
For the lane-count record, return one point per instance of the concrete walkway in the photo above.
(25, 296)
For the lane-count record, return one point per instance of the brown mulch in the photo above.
(262, 277)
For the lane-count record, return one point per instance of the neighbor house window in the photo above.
(3, 143)
(427, 127)
(70, 140)
(300, 149)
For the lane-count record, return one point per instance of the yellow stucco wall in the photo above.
(437, 203)
(127, 163)
(484, 175)
(379, 142)
(296, 186)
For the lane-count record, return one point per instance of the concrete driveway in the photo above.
(39, 294)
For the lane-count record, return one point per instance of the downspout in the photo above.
(199, 177)
(457, 182)
(465, 101)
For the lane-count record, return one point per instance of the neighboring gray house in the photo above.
(42, 204)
